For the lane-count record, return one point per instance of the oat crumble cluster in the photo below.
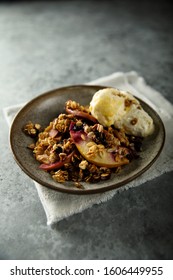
(75, 147)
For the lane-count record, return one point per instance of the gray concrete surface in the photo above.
(47, 45)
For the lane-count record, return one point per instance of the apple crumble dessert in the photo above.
(77, 147)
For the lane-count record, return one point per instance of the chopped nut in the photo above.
(134, 121)
(83, 136)
(62, 156)
(128, 102)
(111, 150)
(99, 127)
(88, 178)
(105, 176)
(83, 164)
(33, 131)
(37, 126)
(31, 146)
(91, 135)
(93, 168)
(78, 185)
(79, 123)
(87, 129)
(90, 144)
(92, 149)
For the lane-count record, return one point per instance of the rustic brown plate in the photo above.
(45, 108)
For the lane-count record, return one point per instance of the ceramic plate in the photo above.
(45, 108)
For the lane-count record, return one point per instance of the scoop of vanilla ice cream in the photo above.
(107, 104)
(136, 122)
(121, 109)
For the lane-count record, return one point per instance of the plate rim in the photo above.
(77, 190)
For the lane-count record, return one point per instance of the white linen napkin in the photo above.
(59, 205)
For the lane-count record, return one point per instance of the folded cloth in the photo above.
(59, 205)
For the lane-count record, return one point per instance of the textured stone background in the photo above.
(44, 45)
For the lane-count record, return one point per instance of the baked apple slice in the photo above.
(96, 153)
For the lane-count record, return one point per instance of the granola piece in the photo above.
(76, 106)
(61, 176)
(43, 158)
(32, 129)
(121, 136)
(62, 123)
